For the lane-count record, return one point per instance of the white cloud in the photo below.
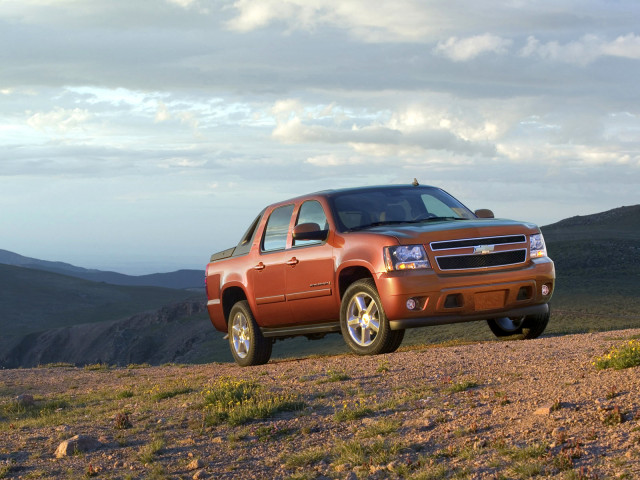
(59, 119)
(401, 20)
(584, 51)
(162, 113)
(334, 160)
(626, 47)
(463, 49)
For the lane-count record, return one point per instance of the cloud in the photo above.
(463, 49)
(162, 113)
(627, 46)
(59, 119)
(402, 20)
(405, 131)
(584, 51)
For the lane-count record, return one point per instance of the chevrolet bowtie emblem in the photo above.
(483, 249)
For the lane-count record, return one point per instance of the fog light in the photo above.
(545, 290)
(412, 304)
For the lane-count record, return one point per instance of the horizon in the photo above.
(137, 135)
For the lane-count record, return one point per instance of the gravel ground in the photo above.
(495, 410)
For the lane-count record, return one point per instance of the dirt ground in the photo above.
(494, 410)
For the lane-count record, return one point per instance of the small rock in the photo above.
(479, 444)
(25, 400)
(351, 476)
(546, 410)
(79, 443)
(195, 464)
(200, 474)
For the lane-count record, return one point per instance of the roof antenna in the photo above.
(415, 182)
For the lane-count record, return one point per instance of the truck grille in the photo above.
(460, 262)
(468, 260)
(472, 242)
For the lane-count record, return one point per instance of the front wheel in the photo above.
(525, 328)
(364, 325)
(248, 345)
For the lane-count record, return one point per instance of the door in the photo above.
(268, 276)
(310, 272)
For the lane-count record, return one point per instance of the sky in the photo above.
(144, 135)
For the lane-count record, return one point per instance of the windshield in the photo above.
(358, 209)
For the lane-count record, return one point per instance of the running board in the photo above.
(297, 330)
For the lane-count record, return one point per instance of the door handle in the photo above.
(293, 261)
(259, 266)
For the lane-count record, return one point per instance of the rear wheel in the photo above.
(364, 325)
(248, 345)
(526, 327)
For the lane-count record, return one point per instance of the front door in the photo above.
(310, 271)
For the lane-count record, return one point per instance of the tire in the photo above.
(524, 328)
(246, 342)
(364, 325)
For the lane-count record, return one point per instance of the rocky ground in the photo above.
(496, 410)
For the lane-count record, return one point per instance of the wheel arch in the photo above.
(352, 274)
(230, 296)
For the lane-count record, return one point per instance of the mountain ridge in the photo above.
(179, 279)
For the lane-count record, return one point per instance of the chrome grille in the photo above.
(472, 242)
(477, 253)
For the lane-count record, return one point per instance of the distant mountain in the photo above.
(179, 332)
(37, 302)
(619, 223)
(181, 279)
(602, 245)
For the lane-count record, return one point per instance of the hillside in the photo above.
(36, 301)
(498, 410)
(182, 279)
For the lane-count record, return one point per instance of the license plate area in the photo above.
(489, 300)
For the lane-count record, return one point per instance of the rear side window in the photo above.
(311, 212)
(244, 246)
(275, 233)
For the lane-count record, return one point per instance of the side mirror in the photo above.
(309, 231)
(484, 213)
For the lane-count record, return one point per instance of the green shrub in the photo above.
(624, 356)
(239, 401)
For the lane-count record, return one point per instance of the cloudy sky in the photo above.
(144, 135)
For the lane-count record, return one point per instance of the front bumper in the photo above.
(442, 299)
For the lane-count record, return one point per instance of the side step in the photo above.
(297, 330)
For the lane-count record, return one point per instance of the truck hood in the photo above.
(453, 229)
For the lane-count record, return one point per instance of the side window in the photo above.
(244, 246)
(275, 233)
(311, 212)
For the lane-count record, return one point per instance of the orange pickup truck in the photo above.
(371, 262)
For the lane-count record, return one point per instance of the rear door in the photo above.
(267, 279)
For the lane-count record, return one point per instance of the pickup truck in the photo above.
(371, 262)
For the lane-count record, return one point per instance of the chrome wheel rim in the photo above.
(240, 335)
(363, 319)
(509, 324)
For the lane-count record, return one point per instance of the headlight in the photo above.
(406, 257)
(536, 246)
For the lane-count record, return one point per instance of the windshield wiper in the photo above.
(377, 224)
(435, 219)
